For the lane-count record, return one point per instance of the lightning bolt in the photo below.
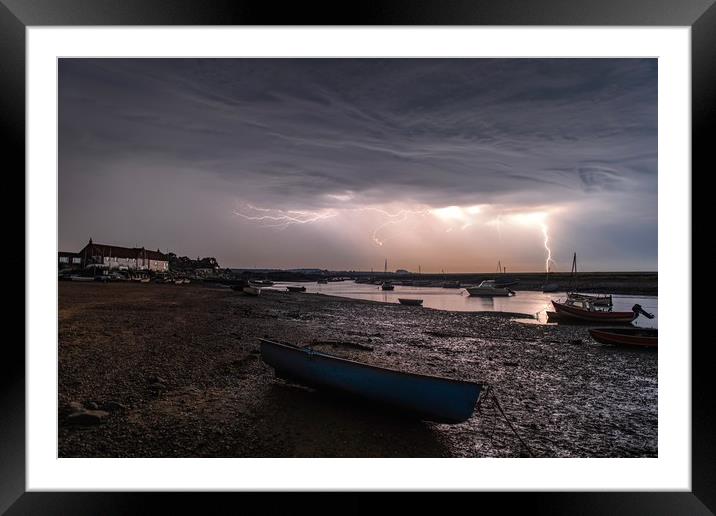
(377, 240)
(545, 234)
(275, 218)
(400, 216)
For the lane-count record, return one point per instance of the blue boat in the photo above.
(431, 398)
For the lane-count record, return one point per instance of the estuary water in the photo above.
(528, 302)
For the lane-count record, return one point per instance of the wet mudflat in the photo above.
(174, 371)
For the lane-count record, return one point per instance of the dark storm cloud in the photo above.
(289, 133)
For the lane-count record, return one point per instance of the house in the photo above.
(116, 257)
(68, 260)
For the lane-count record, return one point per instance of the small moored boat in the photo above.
(488, 289)
(430, 398)
(387, 285)
(584, 310)
(642, 337)
(296, 289)
(410, 302)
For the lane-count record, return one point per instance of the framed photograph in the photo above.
(417, 250)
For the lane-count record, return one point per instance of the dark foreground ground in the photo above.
(178, 372)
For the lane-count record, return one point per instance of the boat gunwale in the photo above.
(627, 331)
(310, 351)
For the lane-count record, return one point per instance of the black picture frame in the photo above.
(16, 15)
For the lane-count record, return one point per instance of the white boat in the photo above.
(488, 289)
(252, 291)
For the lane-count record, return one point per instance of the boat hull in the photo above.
(252, 291)
(639, 337)
(580, 314)
(410, 302)
(296, 289)
(430, 398)
(482, 292)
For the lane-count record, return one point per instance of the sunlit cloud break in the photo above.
(451, 217)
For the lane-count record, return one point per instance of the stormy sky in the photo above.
(447, 164)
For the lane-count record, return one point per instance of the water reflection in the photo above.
(531, 303)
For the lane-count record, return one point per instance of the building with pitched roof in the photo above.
(117, 257)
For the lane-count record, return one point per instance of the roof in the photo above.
(93, 249)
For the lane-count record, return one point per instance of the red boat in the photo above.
(584, 311)
(642, 337)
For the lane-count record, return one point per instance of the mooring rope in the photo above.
(499, 407)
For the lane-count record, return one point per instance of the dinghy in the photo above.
(410, 302)
(430, 398)
(296, 289)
